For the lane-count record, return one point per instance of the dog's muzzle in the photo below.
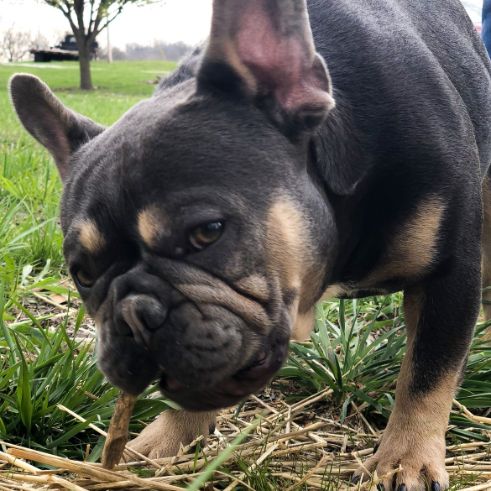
(204, 345)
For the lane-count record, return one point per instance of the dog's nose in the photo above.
(144, 314)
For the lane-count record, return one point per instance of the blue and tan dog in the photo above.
(310, 147)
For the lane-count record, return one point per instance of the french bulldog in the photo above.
(315, 148)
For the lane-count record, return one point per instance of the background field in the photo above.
(319, 417)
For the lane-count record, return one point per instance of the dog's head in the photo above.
(195, 229)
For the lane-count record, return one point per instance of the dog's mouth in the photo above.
(198, 372)
(207, 344)
(232, 390)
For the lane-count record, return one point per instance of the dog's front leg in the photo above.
(169, 431)
(440, 317)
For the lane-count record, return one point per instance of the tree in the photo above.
(87, 19)
(15, 44)
(39, 41)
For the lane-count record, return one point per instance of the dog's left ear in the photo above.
(44, 116)
(265, 50)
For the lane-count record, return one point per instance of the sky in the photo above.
(474, 8)
(168, 20)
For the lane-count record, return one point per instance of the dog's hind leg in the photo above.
(164, 437)
(486, 249)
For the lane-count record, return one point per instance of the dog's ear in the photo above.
(44, 116)
(265, 50)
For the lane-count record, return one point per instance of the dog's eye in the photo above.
(83, 279)
(206, 234)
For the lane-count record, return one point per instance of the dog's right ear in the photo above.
(44, 116)
(264, 49)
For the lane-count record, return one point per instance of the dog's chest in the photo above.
(405, 256)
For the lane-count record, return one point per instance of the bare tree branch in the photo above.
(99, 30)
(15, 44)
(91, 16)
(87, 19)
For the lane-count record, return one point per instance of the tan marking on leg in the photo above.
(413, 249)
(164, 437)
(416, 245)
(90, 236)
(415, 434)
(486, 251)
(291, 259)
(152, 223)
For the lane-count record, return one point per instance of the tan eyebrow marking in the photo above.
(90, 236)
(152, 222)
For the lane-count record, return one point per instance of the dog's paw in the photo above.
(164, 437)
(407, 463)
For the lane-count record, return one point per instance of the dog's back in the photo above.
(408, 70)
(402, 71)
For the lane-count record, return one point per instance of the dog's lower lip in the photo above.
(172, 385)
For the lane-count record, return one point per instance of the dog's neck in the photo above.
(341, 157)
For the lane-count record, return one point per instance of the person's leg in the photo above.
(486, 24)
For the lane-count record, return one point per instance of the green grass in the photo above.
(29, 184)
(39, 367)
(355, 350)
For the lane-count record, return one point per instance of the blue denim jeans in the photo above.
(486, 24)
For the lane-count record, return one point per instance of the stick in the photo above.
(117, 435)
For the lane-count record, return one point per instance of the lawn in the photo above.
(308, 430)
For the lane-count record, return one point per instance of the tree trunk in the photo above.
(84, 60)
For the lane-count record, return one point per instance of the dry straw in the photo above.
(296, 444)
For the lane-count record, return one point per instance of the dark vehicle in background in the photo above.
(67, 50)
